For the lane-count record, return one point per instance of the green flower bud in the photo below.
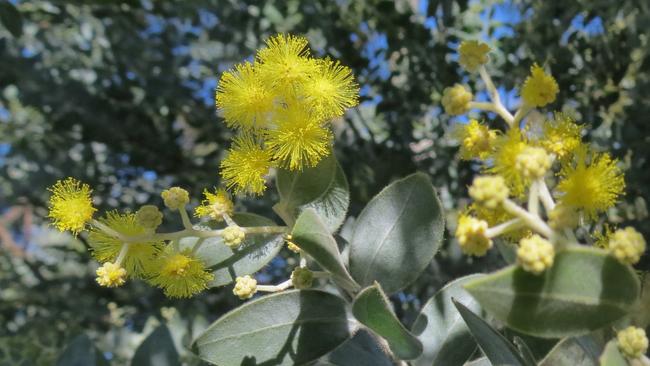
(302, 278)
(175, 198)
(149, 216)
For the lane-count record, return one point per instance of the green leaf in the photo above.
(495, 346)
(585, 289)
(311, 235)
(371, 308)
(10, 17)
(441, 329)
(364, 349)
(287, 328)
(254, 253)
(323, 188)
(574, 351)
(612, 356)
(81, 352)
(397, 234)
(157, 350)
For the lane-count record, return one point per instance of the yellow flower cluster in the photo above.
(489, 191)
(215, 205)
(111, 275)
(535, 254)
(627, 245)
(476, 140)
(281, 105)
(539, 88)
(125, 243)
(70, 205)
(472, 236)
(472, 54)
(233, 236)
(179, 274)
(245, 287)
(542, 181)
(632, 342)
(456, 99)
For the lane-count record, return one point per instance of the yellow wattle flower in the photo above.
(180, 275)
(247, 163)
(299, 139)
(504, 160)
(539, 88)
(285, 64)
(472, 237)
(106, 248)
(331, 90)
(215, 205)
(593, 187)
(70, 206)
(476, 140)
(246, 101)
(561, 136)
(111, 275)
(473, 54)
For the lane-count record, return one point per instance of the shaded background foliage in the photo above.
(120, 95)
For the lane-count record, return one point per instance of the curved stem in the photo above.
(183, 233)
(545, 196)
(185, 218)
(505, 227)
(275, 288)
(122, 255)
(494, 95)
(532, 221)
(533, 199)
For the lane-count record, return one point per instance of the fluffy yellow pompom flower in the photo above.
(299, 139)
(247, 163)
(533, 162)
(539, 88)
(627, 245)
(285, 64)
(245, 287)
(476, 140)
(331, 90)
(215, 205)
(246, 101)
(180, 274)
(632, 341)
(489, 191)
(70, 206)
(456, 99)
(473, 54)
(472, 236)
(561, 136)
(111, 275)
(535, 254)
(106, 248)
(592, 188)
(504, 160)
